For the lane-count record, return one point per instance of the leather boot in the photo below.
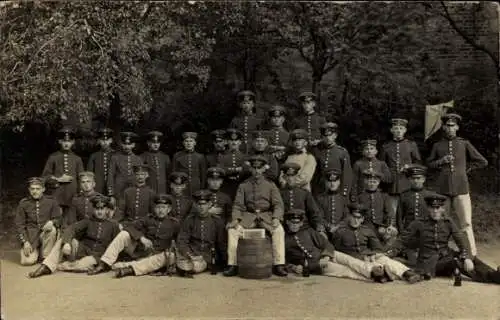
(184, 273)
(231, 271)
(124, 272)
(411, 277)
(42, 270)
(280, 270)
(100, 268)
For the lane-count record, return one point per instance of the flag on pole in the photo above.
(433, 114)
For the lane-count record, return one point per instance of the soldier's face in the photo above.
(101, 213)
(370, 151)
(177, 189)
(332, 185)
(330, 138)
(36, 191)
(260, 144)
(294, 225)
(203, 207)
(234, 145)
(162, 209)
(417, 182)
(398, 131)
(451, 130)
(371, 184)
(259, 171)
(289, 178)
(189, 143)
(105, 143)
(219, 145)
(66, 144)
(355, 221)
(87, 184)
(128, 147)
(247, 105)
(141, 176)
(436, 213)
(299, 144)
(308, 105)
(214, 183)
(277, 121)
(154, 146)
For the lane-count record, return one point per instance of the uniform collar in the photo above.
(398, 140)
(332, 192)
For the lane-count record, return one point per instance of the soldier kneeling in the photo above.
(148, 240)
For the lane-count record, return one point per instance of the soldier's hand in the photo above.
(48, 226)
(275, 223)
(65, 178)
(148, 244)
(381, 230)
(333, 228)
(27, 248)
(468, 265)
(233, 224)
(66, 249)
(238, 169)
(215, 210)
(392, 231)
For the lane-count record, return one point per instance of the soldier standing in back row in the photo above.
(99, 161)
(450, 156)
(398, 154)
(64, 166)
(219, 143)
(247, 121)
(278, 136)
(191, 162)
(158, 162)
(121, 174)
(232, 162)
(309, 120)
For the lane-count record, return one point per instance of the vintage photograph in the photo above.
(249, 159)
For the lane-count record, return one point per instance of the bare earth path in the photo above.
(78, 296)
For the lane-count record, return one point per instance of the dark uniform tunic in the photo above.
(99, 163)
(194, 165)
(214, 159)
(309, 243)
(137, 202)
(246, 124)
(81, 208)
(60, 163)
(181, 207)
(199, 235)
(311, 123)
(334, 208)
(358, 242)
(121, 173)
(358, 184)
(161, 231)
(159, 166)
(379, 213)
(93, 235)
(298, 198)
(396, 154)
(224, 202)
(411, 207)
(328, 158)
(31, 215)
(279, 137)
(452, 179)
(231, 160)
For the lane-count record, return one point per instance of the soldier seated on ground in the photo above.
(148, 240)
(431, 235)
(84, 241)
(309, 251)
(37, 220)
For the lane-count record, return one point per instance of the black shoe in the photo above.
(185, 274)
(426, 276)
(411, 277)
(42, 270)
(124, 272)
(280, 270)
(231, 271)
(100, 268)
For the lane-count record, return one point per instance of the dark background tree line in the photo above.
(177, 66)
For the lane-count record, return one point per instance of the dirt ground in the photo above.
(78, 296)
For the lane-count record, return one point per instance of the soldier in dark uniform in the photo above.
(232, 162)
(37, 219)
(370, 162)
(258, 203)
(191, 162)
(84, 241)
(221, 202)
(302, 242)
(148, 240)
(200, 233)
(181, 203)
(278, 135)
(310, 120)
(121, 174)
(247, 121)
(64, 166)
(260, 146)
(431, 236)
(219, 143)
(398, 154)
(81, 206)
(298, 198)
(332, 203)
(450, 156)
(99, 162)
(158, 162)
(329, 155)
(137, 201)
(360, 241)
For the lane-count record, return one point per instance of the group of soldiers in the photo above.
(373, 220)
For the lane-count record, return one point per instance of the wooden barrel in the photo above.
(255, 258)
